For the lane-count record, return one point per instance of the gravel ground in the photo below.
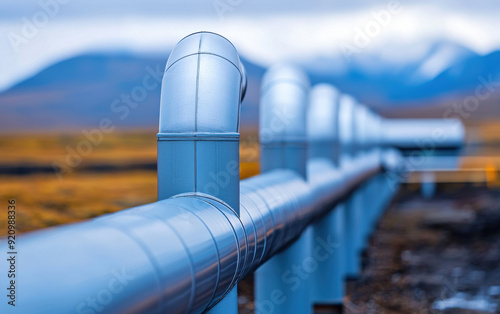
(433, 256)
(428, 256)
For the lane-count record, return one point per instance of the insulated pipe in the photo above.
(123, 263)
(360, 129)
(323, 123)
(353, 210)
(346, 128)
(383, 189)
(179, 255)
(363, 146)
(390, 158)
(144, 259)
(283, 139)
(376, 185)
(198, 142)
(429, 138)
(201, 92)
(324, 155)
(282, 119)
(425, 134)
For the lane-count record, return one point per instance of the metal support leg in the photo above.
(281, 284)
(428, 184)
(328, 286)
(353, 238)
(283, 281)
(228, 305)
(367, 217)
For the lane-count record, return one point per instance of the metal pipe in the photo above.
(324, 156)
(376, 186)
(121, 262)
(368, 139)
(425, 134)
(198, 142)
(185, 253)
(282, 120)
(361, 196)
(144, 259)
(353, 205)
(283, 139)
(323, 123)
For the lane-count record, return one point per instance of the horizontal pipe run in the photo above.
(424, 134)
(186, 253)
(182, 254)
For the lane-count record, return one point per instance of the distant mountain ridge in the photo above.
(78, 92)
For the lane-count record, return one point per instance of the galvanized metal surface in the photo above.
(187, 251)
(423, 134)
(283, 145)
(327, 285)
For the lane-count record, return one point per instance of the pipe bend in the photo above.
(322, 117)
(284, 97)
(327, 182)
(346, 124)
(279, 201)
(203, 85)
(427, 134)
(323, 123)
(361, 127)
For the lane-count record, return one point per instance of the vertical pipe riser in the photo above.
(198, 142)
(282, 132)
(323, 133)
(200, 166)
(290, 155)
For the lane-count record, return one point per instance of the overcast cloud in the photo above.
(35, 34)
(15, 9)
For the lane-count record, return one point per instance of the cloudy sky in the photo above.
(37, 33)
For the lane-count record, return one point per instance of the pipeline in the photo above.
(186, 252)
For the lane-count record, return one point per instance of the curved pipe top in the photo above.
(375, 132)
(323, 123)
(322, 116)
(346, 123)
(361, 127)
(203, 85)
(284, 73)
(283, 105)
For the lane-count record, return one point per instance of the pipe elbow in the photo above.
(346, 122)
(203, 85)
(455, 129)
(284, 97)
(322, 117)
(361, 126)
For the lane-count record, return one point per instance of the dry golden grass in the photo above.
(43, 149)
(118, 147)
(43, 200)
